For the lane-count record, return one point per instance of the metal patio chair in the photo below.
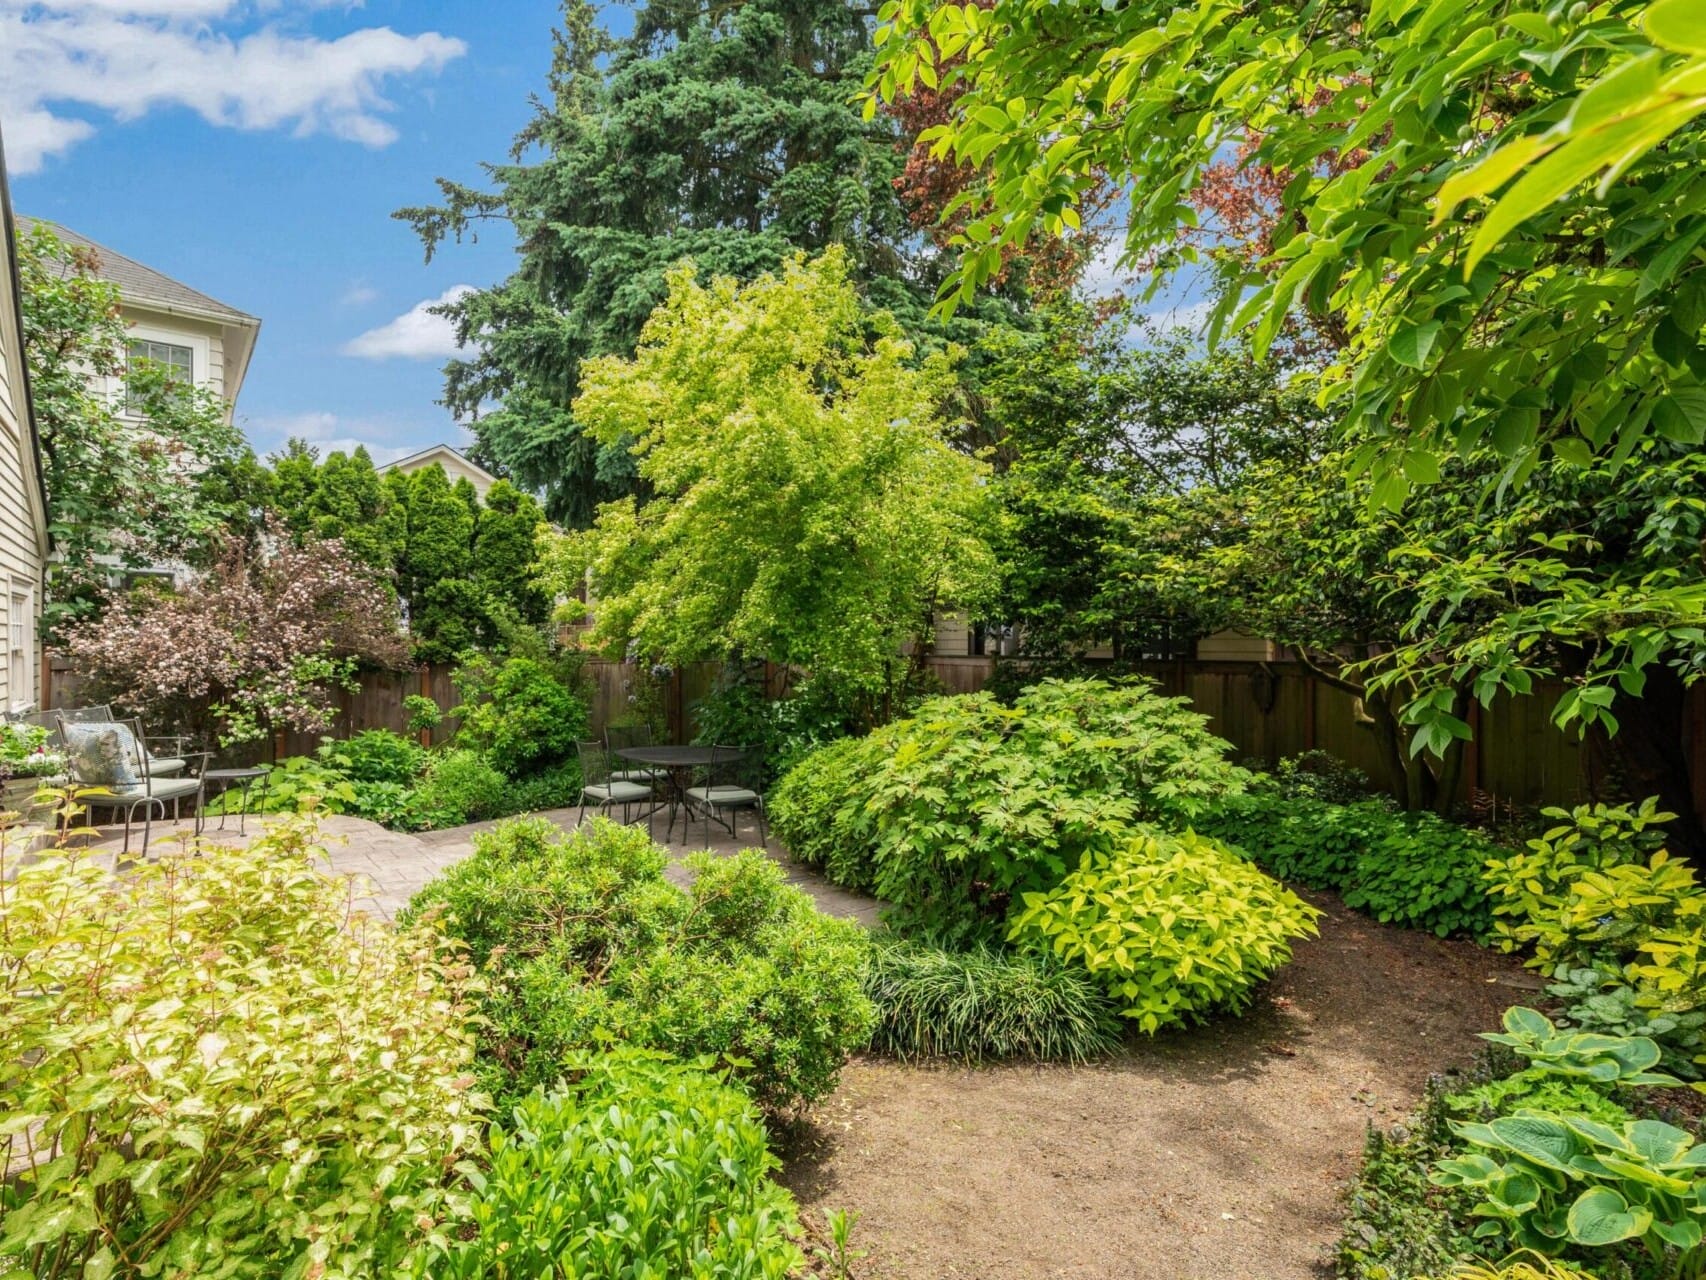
(108, 764)
(734, 780)
(598, 784)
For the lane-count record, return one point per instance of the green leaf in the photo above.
(1678, 25)
(1600, 1217)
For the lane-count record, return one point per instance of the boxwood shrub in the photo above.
(1413, 869)
(581, 940)
(636, 1169)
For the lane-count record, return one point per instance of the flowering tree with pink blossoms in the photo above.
(259, 642)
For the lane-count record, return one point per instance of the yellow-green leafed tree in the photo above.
(798, 500)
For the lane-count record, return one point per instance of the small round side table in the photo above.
(242, 779)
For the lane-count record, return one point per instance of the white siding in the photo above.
(21, 548)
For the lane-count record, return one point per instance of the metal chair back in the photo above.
(619, 737)
(595, 764)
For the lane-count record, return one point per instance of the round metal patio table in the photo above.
(677, 765)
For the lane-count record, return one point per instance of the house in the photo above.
(170, 323)
(456, 464)
(24, 543)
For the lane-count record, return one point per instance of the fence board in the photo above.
(1266, 710)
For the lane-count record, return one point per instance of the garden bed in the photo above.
(1217, 1153)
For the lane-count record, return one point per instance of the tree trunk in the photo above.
(1647, 757)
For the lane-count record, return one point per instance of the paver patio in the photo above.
(394, 864)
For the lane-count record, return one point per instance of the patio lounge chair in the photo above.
(109, 767)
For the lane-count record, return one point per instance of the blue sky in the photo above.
(255, 150)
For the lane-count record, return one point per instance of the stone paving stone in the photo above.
(395, 864)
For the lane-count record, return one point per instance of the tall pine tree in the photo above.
(726, 133)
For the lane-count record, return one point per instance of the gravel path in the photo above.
(1217, 1153)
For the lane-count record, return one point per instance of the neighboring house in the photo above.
(455, 463)
(24, 541)
(202, 340)
(170, 323)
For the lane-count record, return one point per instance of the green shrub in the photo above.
(1174, 927)
(1411, 869)
(1536, 1090)
(210, 1070)
(459, 786)
(1320, 775)
(558, 787)
(810, 813)
(519, 714)
(294, 784)
(582, 938)
(968, 804)
(984, 1003)
(639, 1169)
(376, 755)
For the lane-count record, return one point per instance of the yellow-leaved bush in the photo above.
(1175, 926)
(213, 1067)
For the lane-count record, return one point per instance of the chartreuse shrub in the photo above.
(1535, 1267)
(638, 1168)
(1412, 869)
(581, 940)
(983, 1003)
(1175, 927)
(952, 814)
(211, 1070)
(1615, 922)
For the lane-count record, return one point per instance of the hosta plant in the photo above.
(1606, 1060)
(1547, 1180)
(211, 1069)
(1175, 927)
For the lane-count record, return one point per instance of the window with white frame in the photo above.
(20, 619)
(178, 362)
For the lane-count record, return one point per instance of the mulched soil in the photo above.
(1218, 1153)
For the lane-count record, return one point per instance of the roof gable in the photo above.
(141, 284)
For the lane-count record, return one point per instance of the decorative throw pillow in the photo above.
(102, 754)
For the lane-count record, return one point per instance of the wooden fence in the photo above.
(1266, 710)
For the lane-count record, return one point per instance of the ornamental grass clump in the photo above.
(983, 1003)
(1174, 927)
(212, 1069)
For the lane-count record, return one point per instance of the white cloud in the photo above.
(1103, 276)
(1184, 315)
(60, 60)
(329, 433)
(359, 294)
(417, 334)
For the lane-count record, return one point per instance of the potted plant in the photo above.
(26, 764)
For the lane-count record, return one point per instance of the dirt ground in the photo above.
(1214, 1154)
